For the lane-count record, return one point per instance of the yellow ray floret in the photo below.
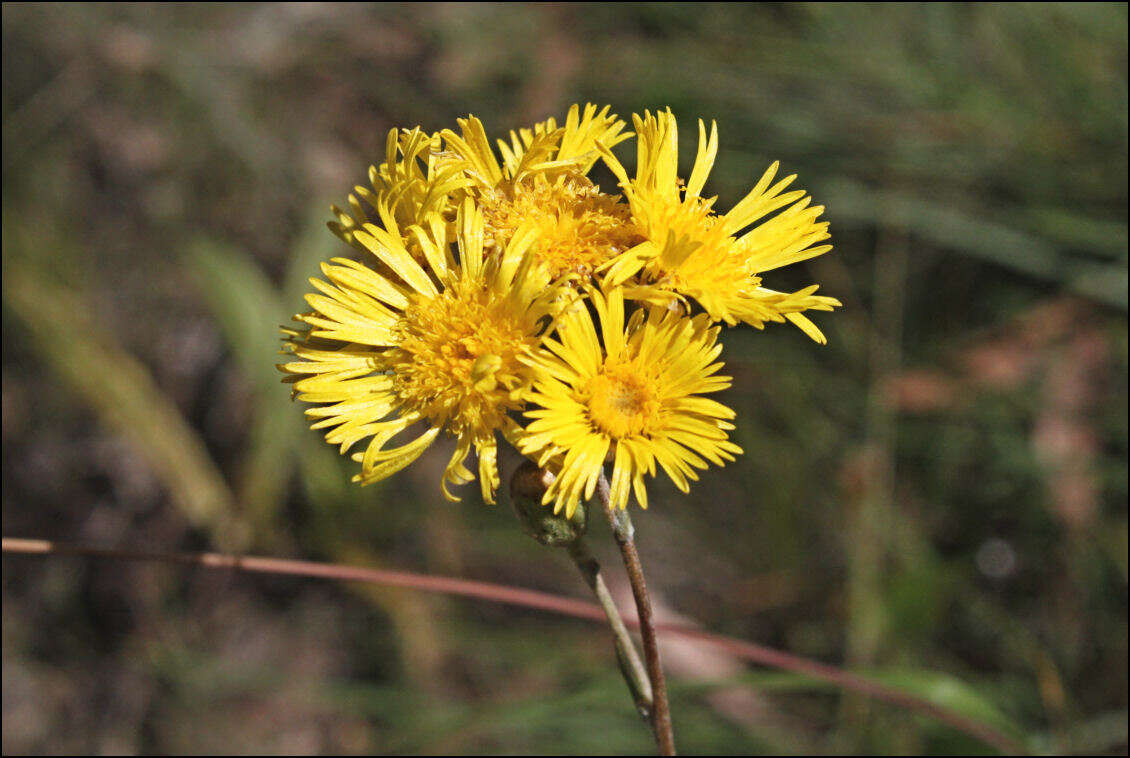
(546, 150)
(690, 251)
(442, 344)
(631, 393)
(410, 186)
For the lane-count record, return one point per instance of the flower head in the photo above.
(542, 181)
(634, 394)
(691, 251)
(541, 178)
(442, 344)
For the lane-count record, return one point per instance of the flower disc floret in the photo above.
(578, 228)
(622, 401)
(456, 359)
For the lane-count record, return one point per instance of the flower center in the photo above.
(622, 402)
(456, 358)
(578, 226)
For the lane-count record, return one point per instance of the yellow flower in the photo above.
(442, 344)
(455, 324)
(636, 400)
(691, 251)
(542, 181)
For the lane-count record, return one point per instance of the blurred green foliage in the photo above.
(937, 498)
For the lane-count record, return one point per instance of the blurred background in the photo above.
(937, 498)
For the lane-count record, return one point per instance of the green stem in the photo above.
(624, 533)
(626, 655)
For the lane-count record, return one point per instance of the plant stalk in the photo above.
(626, 655)
(624, 533)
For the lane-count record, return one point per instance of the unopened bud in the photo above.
(527, 487)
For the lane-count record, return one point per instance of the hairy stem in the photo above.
(624, 533)
(626, 655)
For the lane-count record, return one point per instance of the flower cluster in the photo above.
(506, 295)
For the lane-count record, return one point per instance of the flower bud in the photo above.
(527, 486)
